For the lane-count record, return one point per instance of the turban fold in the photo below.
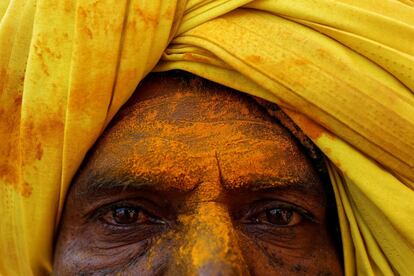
(343, 70)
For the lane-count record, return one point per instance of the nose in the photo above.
(209, 245)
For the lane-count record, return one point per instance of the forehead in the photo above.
(184, 136)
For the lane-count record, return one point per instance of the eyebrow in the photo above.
(264, 183)
(96, 183)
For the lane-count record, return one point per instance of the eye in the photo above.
(279, 216)
(126, 216)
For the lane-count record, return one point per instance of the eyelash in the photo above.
(256, 209)
(100, 212)
(272, 204)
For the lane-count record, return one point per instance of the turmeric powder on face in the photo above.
(194, 179)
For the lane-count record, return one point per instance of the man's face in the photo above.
(195, 183)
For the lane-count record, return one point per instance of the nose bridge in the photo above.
(209, 245)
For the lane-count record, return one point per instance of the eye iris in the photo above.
(279, 216)
(125, 215)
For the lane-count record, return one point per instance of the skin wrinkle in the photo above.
(274, 260)
(208, 178)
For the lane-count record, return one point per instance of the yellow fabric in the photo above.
(343, 70)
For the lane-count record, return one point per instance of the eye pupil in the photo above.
(125, 215)
(279, 216)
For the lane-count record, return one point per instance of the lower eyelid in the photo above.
(117, 232)
(265, 233)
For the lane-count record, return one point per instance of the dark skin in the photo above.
(185, 182)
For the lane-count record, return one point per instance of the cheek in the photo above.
(301, 251)
(92, 252)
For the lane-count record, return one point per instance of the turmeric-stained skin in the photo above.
(191, 180)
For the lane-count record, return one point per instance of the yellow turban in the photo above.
(343, 70)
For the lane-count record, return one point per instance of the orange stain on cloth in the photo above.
(361, 66)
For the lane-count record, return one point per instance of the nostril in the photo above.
(219, 269)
